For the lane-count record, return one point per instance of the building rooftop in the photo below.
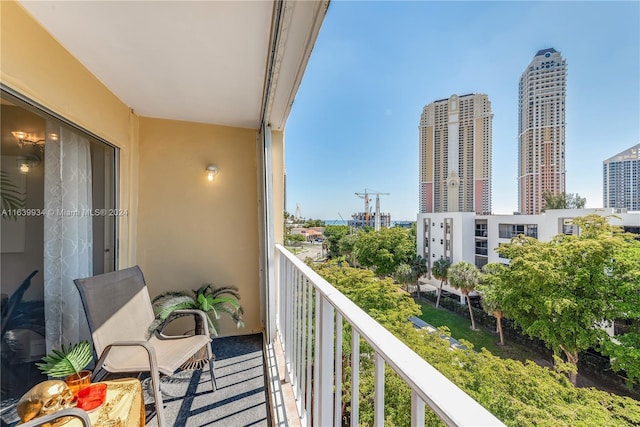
(629, 154)
(459, 96)
(543, 51)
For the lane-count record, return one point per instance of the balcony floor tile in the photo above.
(240, 399)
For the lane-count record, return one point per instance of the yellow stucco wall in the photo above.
(34, 64)
(192, 231)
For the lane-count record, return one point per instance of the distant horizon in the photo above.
(344, 222)
(375, 65)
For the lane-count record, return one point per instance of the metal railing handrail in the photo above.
(450, 403)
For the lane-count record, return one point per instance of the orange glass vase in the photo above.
(77, 382)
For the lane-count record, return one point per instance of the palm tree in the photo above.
(404, 275)
(465, 276)
(439, 270)
(489, 288)
(419, 269)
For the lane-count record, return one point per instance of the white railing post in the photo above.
(309, 360)
(280, 259)
(337, 404)
(378, 399)
(325, 331)
(302, 345)
(316, 360)
(294, 326)
(417, 410)
(287, 322)
(355, 377)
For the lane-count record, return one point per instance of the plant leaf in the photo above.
(67, 361)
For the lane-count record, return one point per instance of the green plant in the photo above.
(213, 301)
(67, 361)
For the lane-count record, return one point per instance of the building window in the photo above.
(481, 247)
(508, 231)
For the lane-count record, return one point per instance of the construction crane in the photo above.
(366, 198)
(298, 214)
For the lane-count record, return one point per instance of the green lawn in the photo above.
(296, 249)
(460, 327)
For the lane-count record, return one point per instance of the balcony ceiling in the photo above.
(202, 61)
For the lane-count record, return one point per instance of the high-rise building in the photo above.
(621, 180)
(455, 155)
(541, 130)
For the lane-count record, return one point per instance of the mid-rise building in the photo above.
(621, 180)
(466, 236)
(364, 219)
(541, 130)
(455, 155)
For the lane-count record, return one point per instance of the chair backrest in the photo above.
(117, 306)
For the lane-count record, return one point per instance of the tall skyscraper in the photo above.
(621, 180)
(541, 130)
(455, 155)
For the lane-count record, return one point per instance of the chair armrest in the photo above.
(145, 344)
(69, 412)
(186, 312)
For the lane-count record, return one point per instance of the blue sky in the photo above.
(375, 65)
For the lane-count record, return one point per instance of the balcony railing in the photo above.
(310, 316)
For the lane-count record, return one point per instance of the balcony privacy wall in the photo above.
(179, 228)
(192, 231)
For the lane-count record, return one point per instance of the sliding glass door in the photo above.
(58, 224)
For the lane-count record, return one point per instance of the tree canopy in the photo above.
(563, 200)
(563, 290)
(491, 288)
(333, 234)
(314, 223)
(519, 394)
(385, 250)
(404, 275)
(346, 247)
(293, 239)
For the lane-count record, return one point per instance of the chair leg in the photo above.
(153, 370)
(213, 377)
(157, 396)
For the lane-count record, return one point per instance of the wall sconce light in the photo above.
(212, 171)
(26, 163)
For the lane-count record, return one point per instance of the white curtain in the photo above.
(68, 236)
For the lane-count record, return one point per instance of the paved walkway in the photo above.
(310, 250)
(421, 324)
